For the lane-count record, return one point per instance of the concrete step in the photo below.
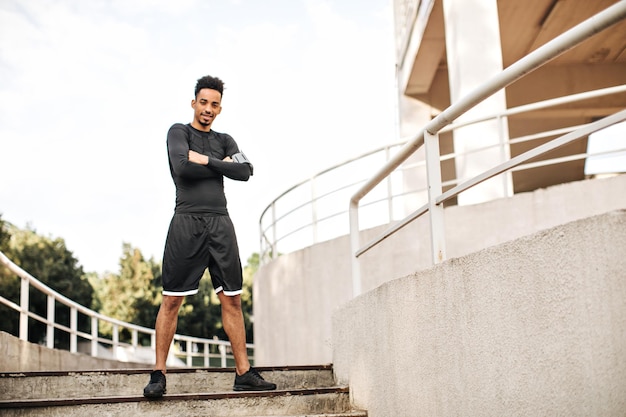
(111, 383)
(320, 402)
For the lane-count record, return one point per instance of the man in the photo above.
(201, 234)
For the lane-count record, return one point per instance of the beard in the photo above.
(205, 120)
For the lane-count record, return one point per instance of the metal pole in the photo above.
(189, 347)
(94, 336)
(433, 175)
(50, 324)
(116, 340)
(389, 188)
(24, 288)
(314, 209)
(505, 155)
(273, 248)
(354, 246)
(73, 330)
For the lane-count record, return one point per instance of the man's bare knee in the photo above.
(230, 302)
(171, 304)
(229, 299)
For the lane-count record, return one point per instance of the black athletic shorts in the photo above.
(194, 243)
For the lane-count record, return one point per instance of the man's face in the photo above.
(207, 105)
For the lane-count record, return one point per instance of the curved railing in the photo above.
(313, 210)
(428, 138)
(304, 211)
(196, 351)
(298, 212)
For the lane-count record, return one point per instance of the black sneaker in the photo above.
(252, 381)
(156, 386)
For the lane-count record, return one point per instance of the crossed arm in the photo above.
(198, 158)
(226, 166)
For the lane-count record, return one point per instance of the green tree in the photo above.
(48, 260)
(249, 271)
(5, 235)
(200, 315)
(133, 295)
(9, 284)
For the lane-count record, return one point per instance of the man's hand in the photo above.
(198, 158)
(227, 159)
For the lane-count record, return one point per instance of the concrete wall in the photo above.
(296, 294)
(532, 327)
(19, 356)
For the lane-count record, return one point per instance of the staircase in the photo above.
(301, 391)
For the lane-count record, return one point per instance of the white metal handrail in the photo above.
(515, 164)
(430, 139)
(27, 280)
(269, 237)
(269, 245)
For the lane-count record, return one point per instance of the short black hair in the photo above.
(208, 81)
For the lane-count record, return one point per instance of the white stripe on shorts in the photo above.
(228, 293)
(180, 293)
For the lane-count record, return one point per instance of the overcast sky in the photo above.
(88, 90)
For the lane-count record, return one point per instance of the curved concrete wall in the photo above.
(296, 294)
(532, 327)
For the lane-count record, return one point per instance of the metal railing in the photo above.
(197, 351)
(312, 217)
(311, 210)
(429, 137)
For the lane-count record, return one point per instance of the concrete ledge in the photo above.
(531, 327)
(19, 356)
(306, 286)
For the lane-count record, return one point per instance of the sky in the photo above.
(88, 90)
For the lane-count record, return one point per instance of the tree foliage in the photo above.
(48, 260)
(132, 295)
(249, 271)
(201, 315)
(9, 284)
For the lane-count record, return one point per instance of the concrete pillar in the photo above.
(474, 56)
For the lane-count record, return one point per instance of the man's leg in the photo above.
(232, 319)
(165, 327)
(246, 378)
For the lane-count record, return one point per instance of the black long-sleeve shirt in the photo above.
(200, 188)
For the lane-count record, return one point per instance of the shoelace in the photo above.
(256, 373)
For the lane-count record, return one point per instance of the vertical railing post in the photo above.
(207, 362)
(273, 245)
(116, 340)
(50, 325)
(222, 350)
(189, 347)
(389, 187)
(433, 176)
(355, 244)
(505, 155)
(73, 330)
(261, 244)
(314, 209)
(135, 338)
(94, 336)
(24, 288)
